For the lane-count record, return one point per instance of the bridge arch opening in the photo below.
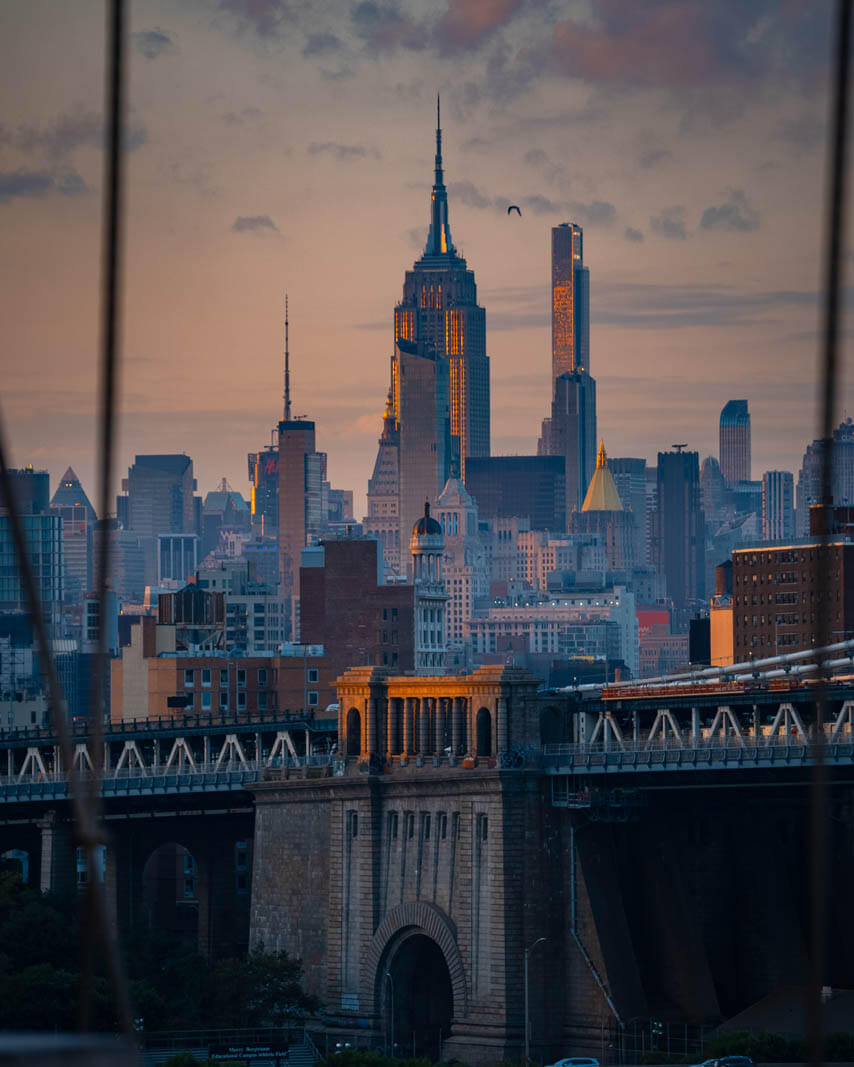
(354, 732)
(173, 893)
(483, 732)
(17, 861)
(417, 996)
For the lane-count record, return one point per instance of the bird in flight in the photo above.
(514, 207)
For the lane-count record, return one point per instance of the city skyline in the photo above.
(686, 303)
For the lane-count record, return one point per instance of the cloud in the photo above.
(670, 223)
(596, 212)
(320, 44)
(344, 153)
(648, 306)
(682, 44)
(651, 157)
(35, 185)
(467, 24)
(265, 17)
(469, 194)
(153, 43)
(254, 224)
(383, 26)
(736, 214)
(67, 133)
(631, 234)
(244, 115)
(802, 133)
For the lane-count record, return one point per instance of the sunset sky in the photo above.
(281, 145)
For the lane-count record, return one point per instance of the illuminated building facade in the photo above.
(570, 431)
(439, 312)
(570, 302)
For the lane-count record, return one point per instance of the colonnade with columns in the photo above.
(399, 717)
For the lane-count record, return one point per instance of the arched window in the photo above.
(354, 732)
(483, 732)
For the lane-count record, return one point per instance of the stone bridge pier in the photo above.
(411, 880)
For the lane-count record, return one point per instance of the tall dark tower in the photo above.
(570, 431)
(439, 313)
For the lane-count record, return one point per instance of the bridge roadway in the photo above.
(198, 754)
(642, 730)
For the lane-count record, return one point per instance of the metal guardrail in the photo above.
(147, 781)
(638, 756)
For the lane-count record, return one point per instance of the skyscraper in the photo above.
(570, 302)
(778, 506)
(680, 533)
(42, 530)
(439, 313)
(78, 517)
(300, 483)
(424, 438)
(735, 442)
(383, 518)
(570, 431)
(159, 501)
(810, 474)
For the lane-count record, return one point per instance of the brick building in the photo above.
(152, 679)
(776, 600)
(345, 608)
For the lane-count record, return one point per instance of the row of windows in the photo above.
(427, 824)
(264, 701)
(206, 677)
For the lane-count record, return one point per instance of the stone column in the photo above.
(501, 725)
(438, 724)
(456, 725)
(407, 726)
(424, 726)
(391, 707)
(370, 739)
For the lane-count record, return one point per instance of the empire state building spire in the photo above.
(439, 238)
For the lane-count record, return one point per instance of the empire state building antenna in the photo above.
(287, 367)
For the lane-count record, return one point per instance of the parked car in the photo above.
(578, 1061)
(727, 1061)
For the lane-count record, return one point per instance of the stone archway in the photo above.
(174, 893)
(400, 923)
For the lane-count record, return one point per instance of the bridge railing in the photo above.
(232, 774)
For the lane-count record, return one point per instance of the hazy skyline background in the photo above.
(279, 145)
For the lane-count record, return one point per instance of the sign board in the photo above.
(247, 1052)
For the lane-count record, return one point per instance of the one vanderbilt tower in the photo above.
(439, 313)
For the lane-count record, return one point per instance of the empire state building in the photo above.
(439, 314)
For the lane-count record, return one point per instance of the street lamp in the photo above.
(528, 952)
(391, 985)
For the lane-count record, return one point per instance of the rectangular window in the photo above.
(312, 698)
(241, 701)
(241, 678)
(426, 823)
(392, 825)
(223, 678)
(241, 855)
(223, 700)
(410, 825)
(313, 675)
(262, 700)
(189, 888)
(206, 702)
(206, 677)
(188, 679)
(262, 677)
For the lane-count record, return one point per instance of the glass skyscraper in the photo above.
(570, 302)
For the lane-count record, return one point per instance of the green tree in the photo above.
(261, 989)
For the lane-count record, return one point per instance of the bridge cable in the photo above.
(818, 868)
(86, 800)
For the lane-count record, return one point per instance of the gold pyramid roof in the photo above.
(602, 494)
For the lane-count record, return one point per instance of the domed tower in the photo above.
(427, 546)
